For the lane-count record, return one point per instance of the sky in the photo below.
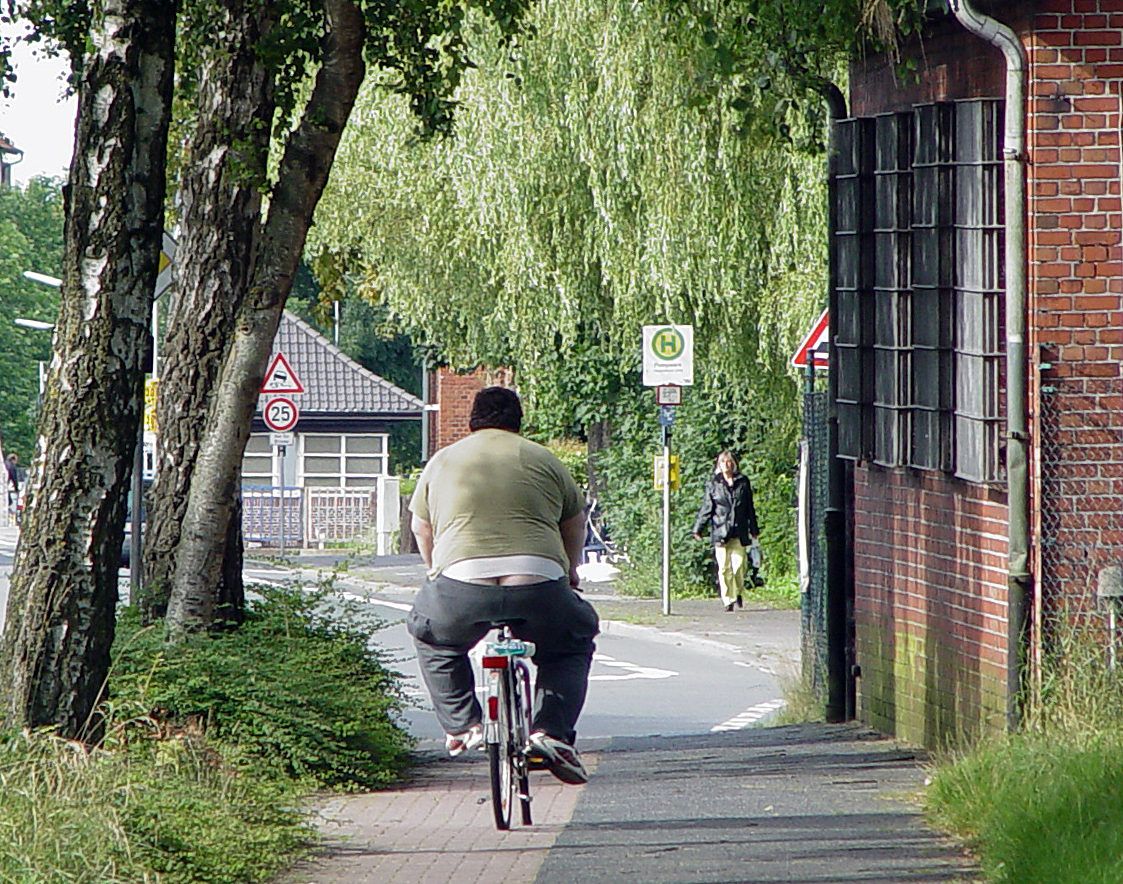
(36, 119)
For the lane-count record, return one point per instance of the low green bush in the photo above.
(298, 687)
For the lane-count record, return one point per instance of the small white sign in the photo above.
(668, 355)
(668, 394)
(279, 439)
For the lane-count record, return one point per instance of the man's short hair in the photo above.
(496, 408)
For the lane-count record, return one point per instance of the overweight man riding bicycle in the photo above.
(500, 524)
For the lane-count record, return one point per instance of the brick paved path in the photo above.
(437, 827)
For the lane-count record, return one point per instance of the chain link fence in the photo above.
(1080, 521)
(814, 462)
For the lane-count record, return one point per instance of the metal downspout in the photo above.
(840, 705)
(1019, 579)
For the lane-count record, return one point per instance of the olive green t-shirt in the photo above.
(495, 493)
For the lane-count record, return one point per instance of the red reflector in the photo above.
(494, 662)
(493, 708)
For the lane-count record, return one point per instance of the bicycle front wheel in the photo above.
(500, 757)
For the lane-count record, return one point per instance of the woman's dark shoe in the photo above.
(740, 604)
(729, 607)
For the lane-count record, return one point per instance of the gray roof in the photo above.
(334, 383)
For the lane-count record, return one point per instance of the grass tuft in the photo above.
(1038, 810)
(1045, 806)
(212, 747)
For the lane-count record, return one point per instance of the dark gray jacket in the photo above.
(728, 510)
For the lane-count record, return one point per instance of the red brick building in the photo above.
(974, 506)
(452, 393)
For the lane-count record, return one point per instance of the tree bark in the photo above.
(303, 172)
(54, 655)
(220, 226)
(598, 436)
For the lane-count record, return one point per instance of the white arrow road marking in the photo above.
(631, 670)
(750, 716)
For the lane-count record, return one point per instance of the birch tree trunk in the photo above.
(54, 655)
(303, 172)
(220, 226)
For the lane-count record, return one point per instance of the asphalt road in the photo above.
(642, 680)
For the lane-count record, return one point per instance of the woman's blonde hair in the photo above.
(731, 456)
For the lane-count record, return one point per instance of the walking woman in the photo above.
(727, 506)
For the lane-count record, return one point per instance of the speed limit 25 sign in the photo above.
(281, 414)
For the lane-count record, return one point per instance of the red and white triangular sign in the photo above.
(815, 345)
(281, 378)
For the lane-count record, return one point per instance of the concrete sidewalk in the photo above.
(805, 804)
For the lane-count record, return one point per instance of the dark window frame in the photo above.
(918, 337)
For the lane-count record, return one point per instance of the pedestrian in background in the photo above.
(11, 462)
(727, 507)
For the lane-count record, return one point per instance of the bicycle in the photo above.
(507, 723)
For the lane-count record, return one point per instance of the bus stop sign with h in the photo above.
(668, 366)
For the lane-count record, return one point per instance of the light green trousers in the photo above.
(731, 560)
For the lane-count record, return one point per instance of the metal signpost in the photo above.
(668, 365)
(281, 415)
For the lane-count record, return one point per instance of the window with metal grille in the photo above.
(917, 334)
(343, 460)
(978, 289)
(891, 302)
(850, 326)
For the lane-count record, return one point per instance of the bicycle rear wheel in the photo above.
(500, 755)
(521, 708)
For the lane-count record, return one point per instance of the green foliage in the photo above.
(571, 453)
(30, 239)
(58, 26)
(707, 422)
(591, 197)
(586, 197)
(1038, 809)
(138, 808)
(297, 687)
(1078, 694)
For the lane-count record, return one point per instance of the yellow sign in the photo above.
(661, 472)
(150, 387)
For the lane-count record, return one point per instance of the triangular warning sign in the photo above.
(815, 346)
(281, 378)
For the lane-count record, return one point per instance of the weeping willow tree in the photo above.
(621, 170)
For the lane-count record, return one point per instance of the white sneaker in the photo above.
(457, 744)
(562, 759)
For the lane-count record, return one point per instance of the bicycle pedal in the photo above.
(537, 762)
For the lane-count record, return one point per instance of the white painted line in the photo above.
(396, 606)
(631, 670)
(750, 716)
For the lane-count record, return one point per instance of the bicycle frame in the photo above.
(507, 723)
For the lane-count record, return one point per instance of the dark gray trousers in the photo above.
(449, 617)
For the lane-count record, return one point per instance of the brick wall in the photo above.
(930, 609)
(454, 392)
(930, 551)
(1076, 279)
